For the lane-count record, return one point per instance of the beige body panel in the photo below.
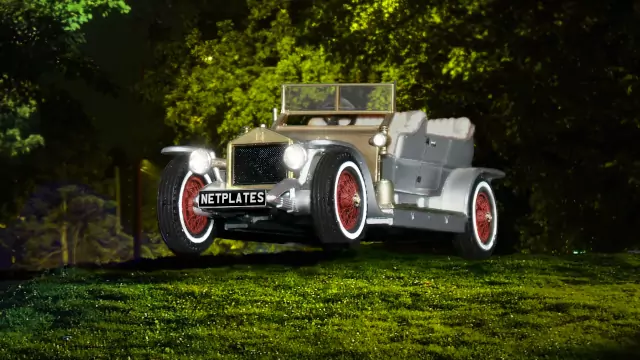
(358, 136)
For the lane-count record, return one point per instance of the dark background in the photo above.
(552, 87)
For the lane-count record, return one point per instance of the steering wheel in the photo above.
(335, 120)
(344, 104)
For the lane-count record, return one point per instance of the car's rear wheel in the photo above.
(184, 231)
(338, 201)
(480, 238)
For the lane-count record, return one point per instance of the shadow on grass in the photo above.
(12, 278)
(628, 349)
(596, 268)
(407, 242)
(293, 258)
(287, 258)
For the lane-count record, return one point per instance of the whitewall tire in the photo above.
(339, 206)
(481, 235)
(184, 232)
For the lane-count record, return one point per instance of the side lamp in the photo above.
(381, 139)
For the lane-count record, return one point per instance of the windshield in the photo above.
(341, 98)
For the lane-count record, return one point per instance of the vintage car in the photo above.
(337, 163)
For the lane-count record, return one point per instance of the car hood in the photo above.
(357, 136)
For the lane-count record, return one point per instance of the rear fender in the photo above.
(333, 145)
(458, 187)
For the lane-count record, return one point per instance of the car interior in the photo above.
(345, 121)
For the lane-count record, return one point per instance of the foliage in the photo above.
(234, 79)
(71, 155)
(41, 37)
(66, 226)
(375, 306)
(559, 116)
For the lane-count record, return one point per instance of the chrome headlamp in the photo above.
(295, 156)
(200, 161)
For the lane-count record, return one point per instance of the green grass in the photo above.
(376, 305)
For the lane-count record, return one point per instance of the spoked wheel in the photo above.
(338, 201)
(480, 238)
(483, 217)
(194, 225)
(184, 231)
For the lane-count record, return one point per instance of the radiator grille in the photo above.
(258, 164)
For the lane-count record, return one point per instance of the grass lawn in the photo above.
(376, 305)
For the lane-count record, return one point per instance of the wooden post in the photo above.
(137, 212)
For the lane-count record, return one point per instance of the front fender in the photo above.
(186, 150)
(181, 150)
(329, 145)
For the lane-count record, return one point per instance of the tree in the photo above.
(557, 115)
(67, 225)
(546, 106)
(234, 79)
(40, 39)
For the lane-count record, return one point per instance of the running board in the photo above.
(380, 221)
(413, 217)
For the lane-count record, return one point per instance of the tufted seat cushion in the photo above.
(403, 123)
(317, 121)
(457, 128)
(369, 120)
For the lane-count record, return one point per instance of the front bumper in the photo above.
(287, 196)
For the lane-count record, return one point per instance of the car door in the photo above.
(434, 153)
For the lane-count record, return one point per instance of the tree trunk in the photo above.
(64, 243)
(76, 240)
(137, 211)
(118, 199)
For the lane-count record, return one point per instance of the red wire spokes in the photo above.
(483, 217)
(348, 207)
(193, 223)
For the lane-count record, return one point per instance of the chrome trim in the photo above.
(216, 185)
(288, 196)
(178, 149)
(304, 172)
(380, 221)
(281, 188)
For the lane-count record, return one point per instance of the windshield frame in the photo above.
(338, 99)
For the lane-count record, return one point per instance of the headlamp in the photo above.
(200, 161)
(295, 156)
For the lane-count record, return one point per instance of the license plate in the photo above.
(232, 198)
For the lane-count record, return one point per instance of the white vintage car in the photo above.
(337, 162)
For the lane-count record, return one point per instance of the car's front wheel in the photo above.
(184, 232)
(338, 201)
(480, 238)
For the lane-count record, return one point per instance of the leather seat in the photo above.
(456, 128)
(317, 121)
